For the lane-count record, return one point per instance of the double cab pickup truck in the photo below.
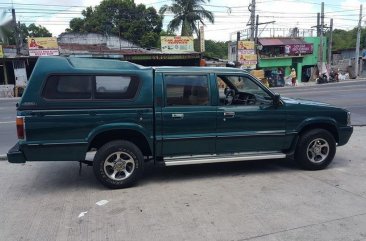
(129, 114)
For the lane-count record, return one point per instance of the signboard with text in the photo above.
(174, 44)
(45, 46)
(296, 49)
(246, 54)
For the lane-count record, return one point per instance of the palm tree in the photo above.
(187, 13)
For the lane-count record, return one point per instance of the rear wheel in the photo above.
(315, 149)
(118, 164)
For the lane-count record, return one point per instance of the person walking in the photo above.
(293, 76)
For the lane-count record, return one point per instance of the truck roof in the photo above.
(57, 62)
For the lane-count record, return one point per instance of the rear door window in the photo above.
(186, 90)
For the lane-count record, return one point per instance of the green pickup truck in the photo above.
(129, 114)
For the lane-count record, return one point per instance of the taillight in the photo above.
(20, 127)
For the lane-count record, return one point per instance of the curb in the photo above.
(3, 157)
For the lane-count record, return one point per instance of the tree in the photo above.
(187, 15)
(136, 23)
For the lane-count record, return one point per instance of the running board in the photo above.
(189, 160)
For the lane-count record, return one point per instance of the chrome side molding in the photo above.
(202, 159)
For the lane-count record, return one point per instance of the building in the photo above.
(286, 53)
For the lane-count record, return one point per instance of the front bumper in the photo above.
(344, 133)
(15, 155)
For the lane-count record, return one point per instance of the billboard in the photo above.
(174, 44)
(246, 54)
(249, 45)
(45, 46)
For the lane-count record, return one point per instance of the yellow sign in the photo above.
(246, 45)
(172, 44)
(248, 61)
(44, 46)
(1, 52)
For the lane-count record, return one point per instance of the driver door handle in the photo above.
(178, 116)
(229, 114)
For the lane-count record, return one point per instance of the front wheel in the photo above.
(118, 164)
(315, 149)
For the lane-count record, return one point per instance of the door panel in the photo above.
(188, 117)
(247, 121)
(250, 128)
(189, 130)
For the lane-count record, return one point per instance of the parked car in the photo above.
(168, 115)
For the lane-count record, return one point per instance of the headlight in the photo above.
(348, 118)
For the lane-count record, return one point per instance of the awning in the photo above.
(280, 41)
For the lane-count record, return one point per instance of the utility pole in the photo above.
(256, 31)
(318, 24)
(321, 39)
(237, 48)
(330, 42)
(358, 43)
(251, 8)
(16, 33)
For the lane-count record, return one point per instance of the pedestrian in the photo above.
(293, 77)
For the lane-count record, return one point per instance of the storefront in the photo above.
(277, 56)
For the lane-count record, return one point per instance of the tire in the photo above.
(118, 164)
(315, 149)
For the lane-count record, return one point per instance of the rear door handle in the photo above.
(178, 116)
(229, 114)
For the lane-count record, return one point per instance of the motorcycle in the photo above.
(333, 76)
(322, 79)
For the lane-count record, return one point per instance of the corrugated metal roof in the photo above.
(280, 41)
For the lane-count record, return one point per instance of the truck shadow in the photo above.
(216, 170)
(66, 176)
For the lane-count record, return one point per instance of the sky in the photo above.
(230, 15)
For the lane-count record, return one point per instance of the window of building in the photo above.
(186, 90)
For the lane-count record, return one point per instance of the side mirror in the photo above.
(276, 99)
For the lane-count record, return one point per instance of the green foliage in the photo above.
(149, 40)
(136, 23)
(343, 39)
(214, 49)
(31, 30)
(187, 15)
(36, 31)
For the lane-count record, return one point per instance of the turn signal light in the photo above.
(20, 127)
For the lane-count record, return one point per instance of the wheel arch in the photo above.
(129, 133)
(326, 125)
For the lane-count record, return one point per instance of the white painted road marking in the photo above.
(7, 122)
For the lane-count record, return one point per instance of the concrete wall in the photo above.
(112, 42)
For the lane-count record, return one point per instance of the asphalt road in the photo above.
(8, 136)
(269, 200)
(350, 95)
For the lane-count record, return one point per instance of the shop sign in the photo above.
(174, 44)
(295, 49)
(45, 46)
(1, 52)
